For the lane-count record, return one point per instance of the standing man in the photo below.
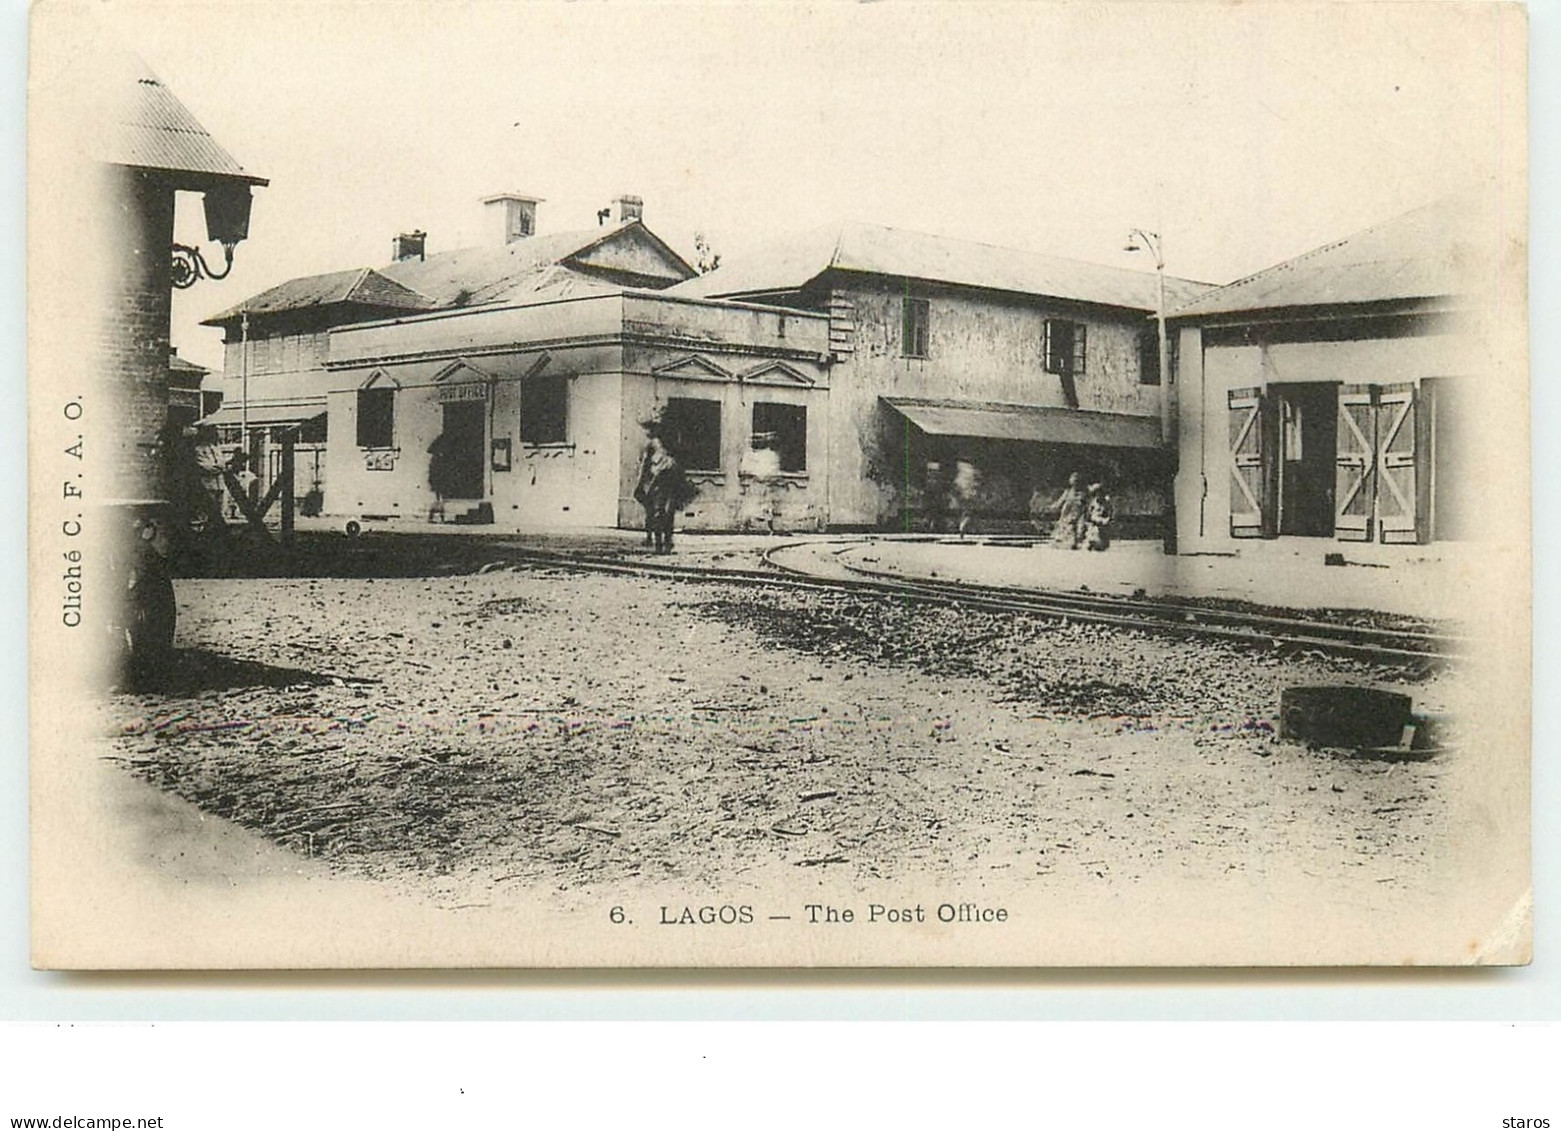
(664, 490)
(210, 465)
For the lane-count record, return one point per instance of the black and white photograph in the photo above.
(824, 485)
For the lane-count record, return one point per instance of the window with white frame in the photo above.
(1065, 346)
(916, 325)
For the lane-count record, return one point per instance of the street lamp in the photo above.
(227, 222)
(1140, 240)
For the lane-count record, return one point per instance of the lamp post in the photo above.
(1140, 240)
(227, 222)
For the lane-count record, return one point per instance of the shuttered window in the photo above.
(1149, 357)
(916, 323)
(1065, 347)
(1063, 350)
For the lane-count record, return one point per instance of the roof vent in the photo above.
(511, 216)
(408, 245)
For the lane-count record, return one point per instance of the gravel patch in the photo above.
(552, 731)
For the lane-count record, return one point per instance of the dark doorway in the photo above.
(464, 440)
(1308, 442)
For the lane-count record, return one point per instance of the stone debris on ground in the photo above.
(567, 731)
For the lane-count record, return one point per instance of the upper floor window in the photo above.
(916, 319)
(783, 428)
(377, 417)
(691, 430)
(260, 355)
(1064, 346)
(544, 410)
(291, 354)
(1149, 357)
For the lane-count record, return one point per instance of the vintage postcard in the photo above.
(703, 485)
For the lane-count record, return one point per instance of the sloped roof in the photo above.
(267, 412)
(874, 249)
(364, 286)
(473, 276)
(469, 276)
(557, 281)
(177, 364)
(146, 126)
(1433, 251)
(1036, 424)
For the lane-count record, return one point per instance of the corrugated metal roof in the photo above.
(177, 364)
(265, 413)
(470, 276)
(474, 276)
(363, 285)
(150, 128)
(874, 249)
(1040, 424)
(1434, 251)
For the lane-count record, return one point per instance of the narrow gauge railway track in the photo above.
(1408, 642)
(1261, 630)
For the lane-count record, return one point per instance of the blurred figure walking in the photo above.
(963, 491)
(1068, 530)
(1099, 510)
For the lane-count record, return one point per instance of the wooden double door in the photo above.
(1356, 462)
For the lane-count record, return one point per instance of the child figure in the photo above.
(1098, 513)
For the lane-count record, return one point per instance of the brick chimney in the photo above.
(629, 208)
(408, 245)
(511, 216)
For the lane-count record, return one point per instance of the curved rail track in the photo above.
(1257, 629)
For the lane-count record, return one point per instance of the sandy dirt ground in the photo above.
(463, 740)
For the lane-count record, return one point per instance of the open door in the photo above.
(1308, 429)
(1397, 457)
(1253, 479)
(464, 442)
(1355, 462)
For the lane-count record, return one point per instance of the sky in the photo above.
(1242, 133)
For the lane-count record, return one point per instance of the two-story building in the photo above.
(1026, 367)
(276, 342)
(833, 381)
(512, 383)
(538, 412)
